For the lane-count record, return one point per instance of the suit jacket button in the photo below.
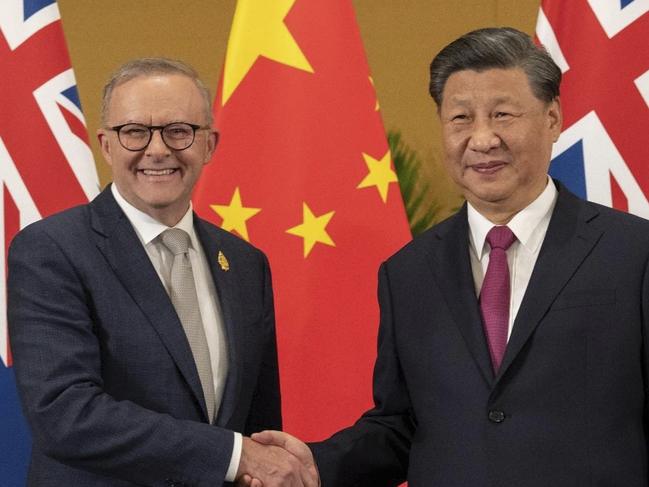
(496, 416)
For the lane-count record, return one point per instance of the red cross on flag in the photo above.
(602, 48)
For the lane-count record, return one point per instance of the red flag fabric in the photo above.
(303, 171)
(45, 166)
(602, 49)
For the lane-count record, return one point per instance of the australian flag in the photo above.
(602, 47)
(45, 166)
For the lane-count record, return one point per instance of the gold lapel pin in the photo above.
(223, 262)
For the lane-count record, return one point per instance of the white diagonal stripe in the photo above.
(15, 29)
(546, 35)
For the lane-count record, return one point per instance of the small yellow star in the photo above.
(235, 215)
(380, 174)
(312, 229)
(258, 29)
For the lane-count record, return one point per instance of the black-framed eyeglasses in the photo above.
(176, 135)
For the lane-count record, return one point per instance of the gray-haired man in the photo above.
(143, 336)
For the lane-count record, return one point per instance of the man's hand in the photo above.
(292, 445)
(266, 462)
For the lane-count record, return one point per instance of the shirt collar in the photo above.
(523, 224)
(148, 228)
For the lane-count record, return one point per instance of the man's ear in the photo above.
(102, 137)
(212, 142)
(555, 118)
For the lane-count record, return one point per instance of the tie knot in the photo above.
(500, 237)
(176, 240)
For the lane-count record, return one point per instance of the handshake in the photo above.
(274, 459)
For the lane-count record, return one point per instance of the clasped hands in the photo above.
(276, 459)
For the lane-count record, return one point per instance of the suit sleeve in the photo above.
(265, 410)
(57, 362)
(374, 451)
(645, 349)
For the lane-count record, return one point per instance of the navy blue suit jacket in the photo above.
(568, 407)
(104, 370)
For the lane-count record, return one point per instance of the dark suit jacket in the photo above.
(568, 406)
(104, 370)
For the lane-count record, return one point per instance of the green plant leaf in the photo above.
(416, 191)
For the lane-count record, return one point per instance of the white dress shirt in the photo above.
(148, 230)
(530, 226)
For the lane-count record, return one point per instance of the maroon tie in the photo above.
(494, 295)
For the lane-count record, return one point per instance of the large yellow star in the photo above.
(235, 215)
(258, 29)
(380, 174)
(312, 229)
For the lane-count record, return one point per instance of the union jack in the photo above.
(45, 165)
(602, 49)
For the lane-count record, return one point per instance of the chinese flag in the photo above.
(303, 172)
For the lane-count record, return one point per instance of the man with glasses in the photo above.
(144, 337)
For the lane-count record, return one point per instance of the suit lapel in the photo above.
(570, 237)
(118, 242)
(451, 267)
(228, 291)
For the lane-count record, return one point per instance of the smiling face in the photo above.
(498, 139)
(157, 180)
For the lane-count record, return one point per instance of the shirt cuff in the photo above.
(235, 459)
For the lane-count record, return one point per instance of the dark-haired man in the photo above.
(143, 336)
(512, 346)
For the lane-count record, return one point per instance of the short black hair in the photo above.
(502, 47)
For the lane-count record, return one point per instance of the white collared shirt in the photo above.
(148, 230)
(530, 226)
